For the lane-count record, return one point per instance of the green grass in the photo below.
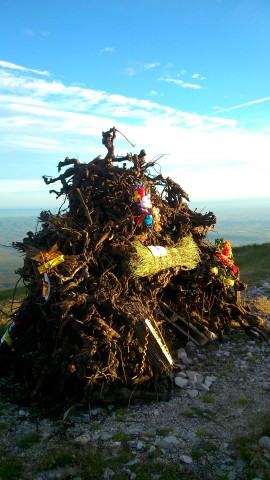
(7, 294)
(244, 401)
(209, 399)
(254, 262)
(120, 437)
(9, 302)
(10, 466)
(26, 441)
(57, 458)
(262, 303)
(203, 433)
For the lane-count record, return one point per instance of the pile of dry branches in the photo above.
(116, 280)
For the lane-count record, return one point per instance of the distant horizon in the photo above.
(192, 202)
(242, 222)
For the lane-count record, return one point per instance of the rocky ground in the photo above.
(215, 426)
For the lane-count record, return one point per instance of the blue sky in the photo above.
(189, 79)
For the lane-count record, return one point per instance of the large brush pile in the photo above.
(116, 280)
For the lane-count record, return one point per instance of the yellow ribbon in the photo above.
(50, 259)
(7, 339)
(51, 263)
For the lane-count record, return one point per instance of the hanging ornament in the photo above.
(46, 286)
(6, 337)
(148, 220)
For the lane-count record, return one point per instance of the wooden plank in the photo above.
(181, 324)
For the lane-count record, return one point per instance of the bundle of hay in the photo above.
(143, 261)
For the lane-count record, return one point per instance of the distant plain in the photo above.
(242, 222)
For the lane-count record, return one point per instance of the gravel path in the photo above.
(221, 393)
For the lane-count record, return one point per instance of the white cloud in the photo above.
(108, 49)
(198, 76)
(149, 66)
(130, 71)
(12, 186)
(29, 32)
(44, 121)
(181, 83)
(18, 67)
(45, 33)
(247, 104)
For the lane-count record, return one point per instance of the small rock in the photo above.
(264, 442)
(95, 411)
(171, 439)
(167, 442)
(185, 459)
(181, 354)
(194, 376)
(209, 380)
(201, 387)
(192, 393)
(22, 414)
(191, 345)
(105, 436)
(201, 356)
(108, 473)
(140, 445)
(133, 462)
(82, 439)
(181, 374)
(232, 475)
(180, 382)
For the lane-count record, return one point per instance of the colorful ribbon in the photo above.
(51, 263)
(6, 337)
(50, 259)
(46, 286)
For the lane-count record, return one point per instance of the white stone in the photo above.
(192, 393)
(201, 386)
(95, 411)
(201, 356)
(181, 354)
(140, 445)
(181, 382)
(209, 380)
(108, 473)
(185, 459)
(82, 439)
(191, 345)
(105, 436)
(168, 442)
(171, 439)
(187, 361)
(22, 413)
(181, 374)
(264, 442)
